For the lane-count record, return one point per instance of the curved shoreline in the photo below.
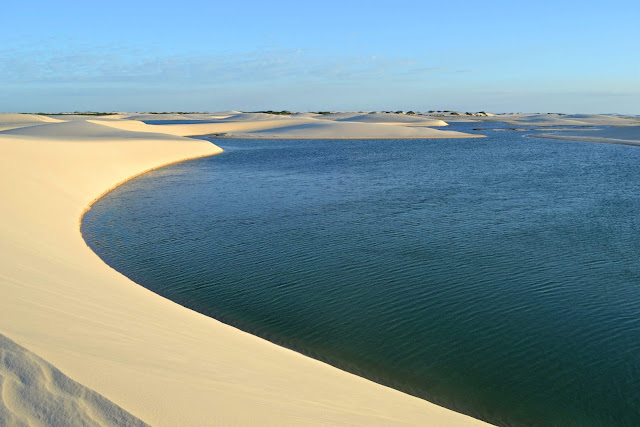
(581, 138)
(154, 358)
(110, 189)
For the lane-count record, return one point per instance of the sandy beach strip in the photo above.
(628, 135)
(150, 358)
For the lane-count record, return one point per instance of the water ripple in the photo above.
(495, 278)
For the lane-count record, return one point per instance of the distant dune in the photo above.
(13, 121)
(301, 125)
(353, 130)
(384, 118)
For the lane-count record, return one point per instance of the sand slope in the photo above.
(81, 130)
(212, 127)
(33, 392)
(352, 130)
(161, 362)
(13, 121)
(384, 118)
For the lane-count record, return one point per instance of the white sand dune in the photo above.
(34, 392)
(13, 121)
(260, 116)
(213, 127)
(307, 115)
(333, 116)
(351, 130)
(381, 118)
(271, 126)
(261, 125)
(227, 115)
(182, 117)
(394, 119)
(70, 117)
(161, 362)
(81, 130)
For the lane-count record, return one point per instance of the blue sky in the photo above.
(205, 56)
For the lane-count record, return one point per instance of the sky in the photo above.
(498, 56)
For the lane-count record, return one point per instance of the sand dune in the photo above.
(394, 119)
(78, 130)
(213, 127)
(380, 118)
(333, 116)
(34, 392)
(161, 362)
(351, 130)
(183, 117)
(13, 121)
(261, 125)
(260, 116)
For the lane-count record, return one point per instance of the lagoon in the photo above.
(498, 277)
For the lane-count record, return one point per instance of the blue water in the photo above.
(498, 277)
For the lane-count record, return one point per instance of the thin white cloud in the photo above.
(118, 64)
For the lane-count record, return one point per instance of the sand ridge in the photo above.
(161, 362)
(385, 119)
(353, 130)
(14, 121)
